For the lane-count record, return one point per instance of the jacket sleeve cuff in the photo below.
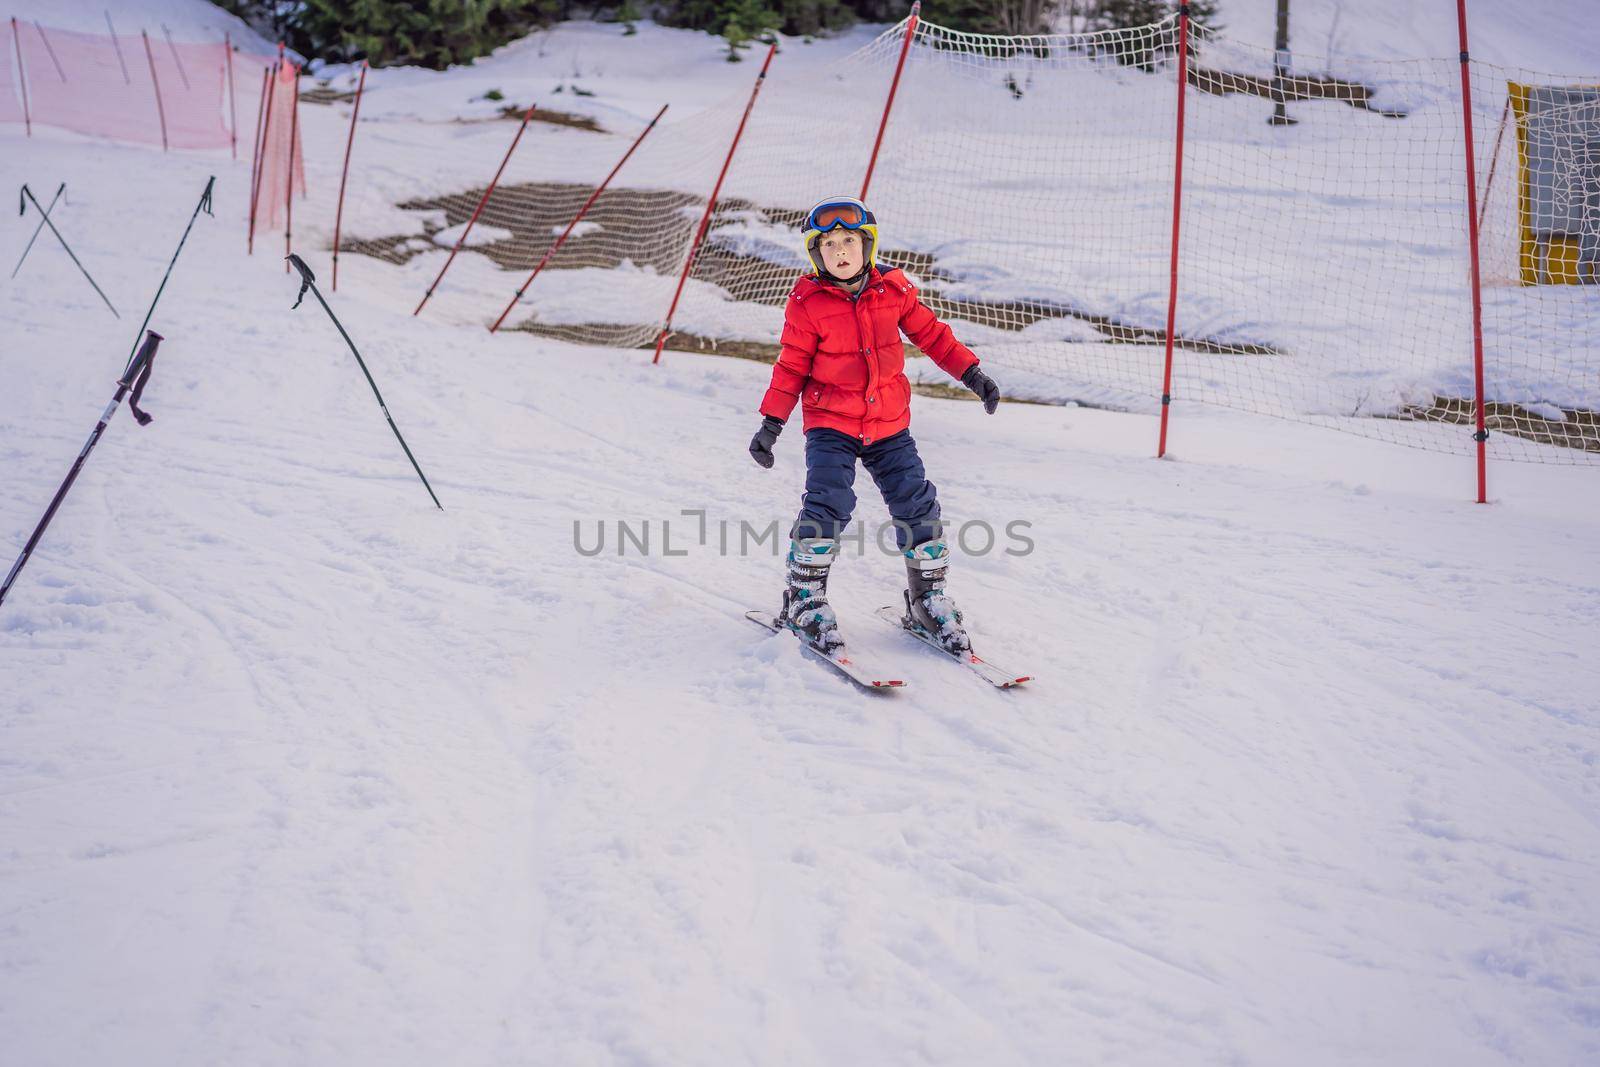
(957, 361)
(779, 404)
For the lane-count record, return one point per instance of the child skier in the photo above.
(843, 360)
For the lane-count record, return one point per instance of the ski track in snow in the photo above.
(295, 768)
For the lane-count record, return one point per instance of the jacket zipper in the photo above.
(866, 353)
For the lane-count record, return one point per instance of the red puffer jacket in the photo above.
(842, 355)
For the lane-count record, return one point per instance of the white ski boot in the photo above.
(928, 606)
(805, 600)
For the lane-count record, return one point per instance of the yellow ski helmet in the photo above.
(831, 214)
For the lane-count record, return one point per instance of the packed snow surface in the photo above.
(295, 768)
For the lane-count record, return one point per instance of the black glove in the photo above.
(761, 444)
(979, 383)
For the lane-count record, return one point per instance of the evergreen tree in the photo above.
(429, 33)
(627, 14)
(991, 16)
(744, 21)
(272, 18)
(807, 18)
(437, 33)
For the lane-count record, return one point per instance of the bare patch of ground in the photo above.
(543, 209)
(1577, 428)
(1290, 90)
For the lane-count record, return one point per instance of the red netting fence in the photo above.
(1027, 185)
(133, 88)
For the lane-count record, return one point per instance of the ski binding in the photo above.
(994, 674)
(839, 660)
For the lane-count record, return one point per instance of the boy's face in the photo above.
(842, 252)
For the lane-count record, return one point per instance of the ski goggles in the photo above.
(825, 217)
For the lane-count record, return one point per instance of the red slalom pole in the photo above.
(584, 210)
(176, 59)
(1177, 207)
(263, 107)
(894, 86)
(477, 210)
(118, 49)
(233, 98)
(161, 112)
(711, 204)
(1482, 434)
(271, 82)
(288, 186)
(338, 215)
(22, 76)
(50, 51)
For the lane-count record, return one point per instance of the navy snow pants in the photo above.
(895, 468)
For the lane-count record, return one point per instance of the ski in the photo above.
(992, 673)
(839, 660)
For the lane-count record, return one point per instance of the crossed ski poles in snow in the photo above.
(135, 376)
(23, 208)
(136, 373)
(45, 220)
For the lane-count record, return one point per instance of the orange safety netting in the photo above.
(132, 88)
(280, 153)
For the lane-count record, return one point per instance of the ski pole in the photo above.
(39, 228)
(135, 378)
(22, 209)
(203, 205)
(309, 281)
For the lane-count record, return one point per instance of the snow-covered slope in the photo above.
(296, 769)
